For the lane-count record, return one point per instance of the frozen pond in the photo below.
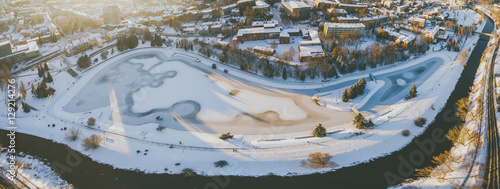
(145, 85)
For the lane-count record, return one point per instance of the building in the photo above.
(323, 4)
(348, 19)
(336, 29)
(296, 9)
(18, 53)
(353, 8)
(111, 15)
(259, 33)
(403, 8)
(374, 21)
(261, 7)
(332, 12)
(5, 48)
(285, 35)
(274, 23)
(76, 46)
(116, 33)
(420, 22)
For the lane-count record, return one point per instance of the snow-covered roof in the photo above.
(241, 32)
(296, 4)
(344, 25)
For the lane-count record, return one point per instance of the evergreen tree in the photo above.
(48, 79)
(370, 123)
(46, 67)
(359, 121)
(148, 36)
(302, 75)
(413, 92)
(319, 131)
(284, 73)
(133, 41)
(40, 71)
(345, 97)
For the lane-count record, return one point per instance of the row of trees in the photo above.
(357, 89)
(124, 43)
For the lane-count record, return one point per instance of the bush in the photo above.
(225, 71)
(413, 92)
(188, 172)
(419, 121)
(93, 142)
(318, 160)
(72, 134)
(406, 133)
(221, 163)
(225, 136)
(160, 128)
(424, 172)
(319, 131)
(91, 121)
(214, 66)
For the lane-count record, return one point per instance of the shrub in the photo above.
(424, 172)
(318, 160)
(214, 66)
(72, 134)
(419, 121)
(188, 172)
(441, 158)
(221, 163)
(462, 108)
(91, 121)
(406, 133)
(93, 142)
(160, 128)
(413, 92)
(319, 131)
(225, 71)
(225, 136)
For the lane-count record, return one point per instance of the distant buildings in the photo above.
(18, 53)
(296, 8)
(111, 15)
(336, 29)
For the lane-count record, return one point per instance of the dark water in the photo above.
(82, 172)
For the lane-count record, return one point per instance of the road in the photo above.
(491, 177)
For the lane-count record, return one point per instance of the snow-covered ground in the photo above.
(274, 148)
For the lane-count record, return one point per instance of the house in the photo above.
(296, 8)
